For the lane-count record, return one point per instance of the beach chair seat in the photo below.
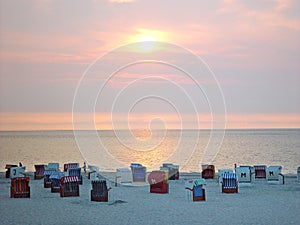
(260, 171)
(124, 175)
(8, 169)
(229, 183)
(208, 171)
(100, 189)
(20, 187)
(69, 186)
(39, 171)
(138, 172)
(47, 174)
(244, 174)
(173, 170)
(274, 175)
(70, 165)
(17, 172)
(75, 172)
(158, 181)
(196, 188)
(55, 181)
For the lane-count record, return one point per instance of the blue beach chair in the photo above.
(229, 183)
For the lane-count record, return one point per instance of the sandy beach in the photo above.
(260, 203)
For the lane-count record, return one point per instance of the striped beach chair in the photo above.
(173, 170)
(229, 183)
(47, 180)
(55, 181)
(8, 168)
(20, 187)
(260, 171)
(158, 181)
(70, 165)
(100, 189)
(138, 172)
(221, 172)
(39, 171)
(75, 172)
(69, 186)
(274, 175)
(208, 171)
(196, 188)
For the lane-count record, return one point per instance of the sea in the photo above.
(190, 149)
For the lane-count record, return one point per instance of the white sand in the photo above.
(259, 204)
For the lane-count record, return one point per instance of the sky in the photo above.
(248, 54)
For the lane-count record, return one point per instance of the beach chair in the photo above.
(70, 165)
(274, 175)
(39, 171)
(17, 172)
(260, 171)
(75, 172)
(196, 188)
(124, 175)
(229, 183)
(53, 166)
(93, 172)
(69, 186)
(208, 171)
(20, 187)
(47, 180)
(8, 168)
(55, 181)
(244, 174)
(158, 181)
(173, 170)
(100, 189)
(221, 172)
(298, 173)
(138, 172)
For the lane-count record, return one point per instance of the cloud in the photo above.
(122, 1)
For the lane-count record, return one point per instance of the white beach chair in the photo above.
(245, 175)
(17, 172)
(124, 175)
(274, 175)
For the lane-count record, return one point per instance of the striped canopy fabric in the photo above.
(229, 180)
(69, 179)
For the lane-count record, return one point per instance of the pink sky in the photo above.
(252, 47)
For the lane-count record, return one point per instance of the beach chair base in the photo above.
(20, 195)
(230, 190)
(159, 188)
(47, 184)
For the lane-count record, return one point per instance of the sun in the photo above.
(147, 38)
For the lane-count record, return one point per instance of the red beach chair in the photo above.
(69, 186)
(208, 171)
(39, 171)
(260, 171)
(158, 181)
(99, 192)
(20, 187)
(70, 165)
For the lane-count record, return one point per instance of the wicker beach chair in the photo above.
(229, 183)
(17, 172)
(158, 181)
(75, 172)
(100, 189)
(20, 187)
(55, 181)
(173, 170)
(260, 171)
(39, 171)
(8, 168)
(69, 186)
(208, 171)
(70, 165)
(274, 175)
(195, 188)
(138, 172)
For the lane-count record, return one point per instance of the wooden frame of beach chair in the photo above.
(229, 183)
(47, 180)
(138, 172)
(196, 188)
(39, 171)
(173, 170)
(69, 186)
(8, 169)
(208, 171)
(20, 187)
(260, 171)
(75, 172)
(158, 181)
(70, 165)
(99, 192)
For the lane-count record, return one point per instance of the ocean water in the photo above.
(114, 149)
